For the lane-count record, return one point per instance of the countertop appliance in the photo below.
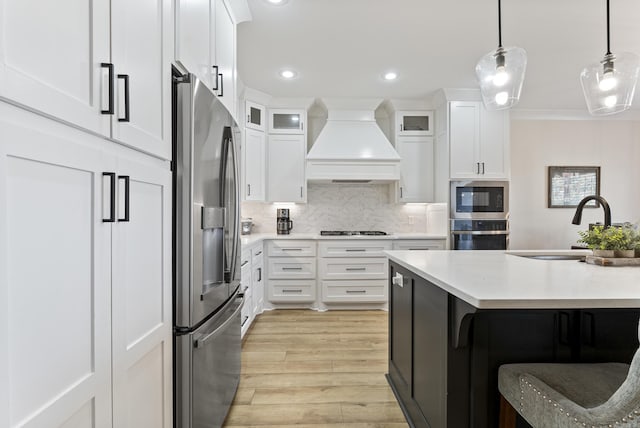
(479, 215)
(283, 223)
(206, 256)
(352, 233)
(246, 226)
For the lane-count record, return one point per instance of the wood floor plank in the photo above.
(312, 369)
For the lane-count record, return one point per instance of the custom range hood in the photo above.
(351, 148)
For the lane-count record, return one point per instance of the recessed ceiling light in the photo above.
(277, 2)
(390, 76)
(288, 74)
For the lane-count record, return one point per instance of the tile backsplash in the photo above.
(349, 207)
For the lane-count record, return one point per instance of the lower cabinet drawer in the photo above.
(292, 291)
(354, 268)
(354, 291)
(292, 268)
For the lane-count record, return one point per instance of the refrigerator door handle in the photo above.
(236, 202)
(201, 342)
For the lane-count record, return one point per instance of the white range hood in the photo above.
(351, 147)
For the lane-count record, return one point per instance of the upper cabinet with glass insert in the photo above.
(414, 122)
(255, 116)
(285, 121)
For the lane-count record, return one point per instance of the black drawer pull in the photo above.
(356, 269)
(351, 250)
(127, 197)
(356, 291)
(112, 197)
(215, 73)
(291, 268)
(292, 291)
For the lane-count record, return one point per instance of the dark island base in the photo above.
(444, 354)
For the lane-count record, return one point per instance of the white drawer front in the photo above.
(292, 291)
(292, 268)
(353, 248)
(256, 255)
(245, 257)
(354, 268)
(420, 244)
(291, 248)
(354, 291)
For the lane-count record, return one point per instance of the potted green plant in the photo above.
(621, 241)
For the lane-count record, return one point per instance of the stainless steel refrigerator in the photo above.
(207, 302)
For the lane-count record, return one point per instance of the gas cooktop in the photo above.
(352, 233)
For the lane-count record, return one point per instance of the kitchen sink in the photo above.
(552, 257)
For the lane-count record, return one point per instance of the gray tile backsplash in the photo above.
(348, 207)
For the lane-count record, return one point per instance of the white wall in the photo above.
(614, 145)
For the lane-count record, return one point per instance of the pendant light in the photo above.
(500, 73)
(609, 85)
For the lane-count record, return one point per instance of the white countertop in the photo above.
(503, 280)
(247, 240)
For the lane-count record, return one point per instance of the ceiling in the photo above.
(341, 48)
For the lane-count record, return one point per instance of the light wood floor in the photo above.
(316, 369)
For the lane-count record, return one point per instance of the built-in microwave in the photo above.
(479, 200)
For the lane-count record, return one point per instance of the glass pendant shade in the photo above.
(500, 74)
(609, 85)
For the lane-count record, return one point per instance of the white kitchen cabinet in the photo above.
(286, 159)
(416, 169)
(98, 293)
(287, 121)
(255, 115)
(206, 46)
(141, 297)
(254, 155)
(224, 56)
(142, 52)
(414, 122)
(479, 141)
(50, 56)
(246, 313)
(353, 271)
(291, 268)
(420, 244)
(102, 65)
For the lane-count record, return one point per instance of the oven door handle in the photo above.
(479, 232)
(202, 341)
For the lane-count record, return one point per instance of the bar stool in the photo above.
(571, 395)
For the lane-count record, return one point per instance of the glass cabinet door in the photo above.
(286, 121)
(414, 122)
(255, 116)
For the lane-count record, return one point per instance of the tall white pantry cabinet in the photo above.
(85, 223)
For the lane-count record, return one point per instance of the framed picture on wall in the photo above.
(569, 184)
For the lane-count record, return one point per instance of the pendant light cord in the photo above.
(608, 33)
(500, 23)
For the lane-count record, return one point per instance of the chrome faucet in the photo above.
(577, 218)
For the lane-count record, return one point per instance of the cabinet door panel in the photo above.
(142, 46)
(401, 327)
(50, 56)
(254, 161)
(54, 282)
(416, 169)
(286, 172)
(142, 298)
(464, 128)
(494, 137)
(193, 44)
(225, 55)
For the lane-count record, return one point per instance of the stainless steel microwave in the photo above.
(479, 200)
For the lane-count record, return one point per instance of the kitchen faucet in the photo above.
(577, 218)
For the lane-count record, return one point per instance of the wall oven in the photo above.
(479, 212)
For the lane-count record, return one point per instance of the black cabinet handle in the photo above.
(588, 329)
(126, 197)
(125, 78)
(112, 197)
(483, 167)
(221, 85)
(111, 108)
(563, 328)
(215, 73)
(259, 274)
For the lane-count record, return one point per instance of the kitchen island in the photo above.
(456, 316)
